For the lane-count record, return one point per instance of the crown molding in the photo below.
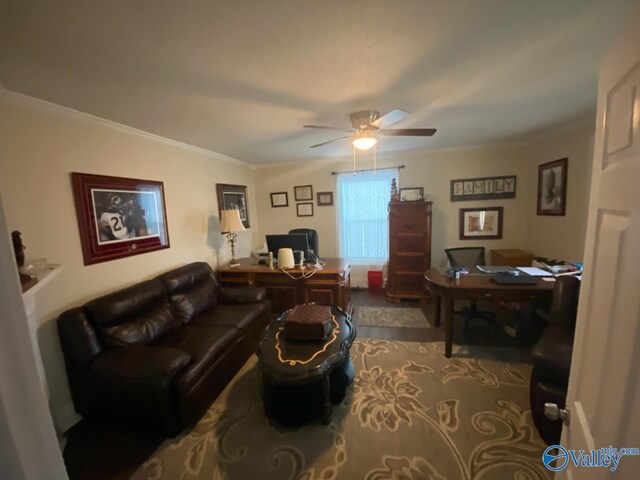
(584, 121)
(392, 156)
(56, 109)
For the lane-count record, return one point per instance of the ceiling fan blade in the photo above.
(330, 141)
(327, 128)
(408, 132)
(390, 118)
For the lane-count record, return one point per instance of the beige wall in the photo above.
(562, 237)
(431, 170)
(40, 145)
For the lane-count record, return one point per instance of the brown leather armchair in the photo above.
(158, 353)
(551, 357)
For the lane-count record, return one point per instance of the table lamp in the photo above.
(230, 223)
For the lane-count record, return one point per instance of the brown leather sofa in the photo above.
(551, 357)
(158, 353)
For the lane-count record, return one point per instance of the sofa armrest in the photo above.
(133, 363)
(240, 295)
(135, 385)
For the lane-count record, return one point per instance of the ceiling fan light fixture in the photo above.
(364, 143)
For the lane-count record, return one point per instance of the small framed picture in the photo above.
(478, 187)
(233, 197)
(304, 209)
(325, 199)
(279, 199)
(481, 223)
(458, 188)
(552, 187)
(498, 186)
(303, 193)
(411, 194)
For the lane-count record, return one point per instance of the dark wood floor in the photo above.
(99, 452)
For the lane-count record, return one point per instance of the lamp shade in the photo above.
(230, 221)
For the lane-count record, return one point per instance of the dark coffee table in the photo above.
(302, 380)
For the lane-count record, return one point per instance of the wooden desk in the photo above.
(329, 286)
(477, 287)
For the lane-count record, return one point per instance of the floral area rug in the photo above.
(392, 317)
(410, 414)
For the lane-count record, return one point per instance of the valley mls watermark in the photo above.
(606, 457)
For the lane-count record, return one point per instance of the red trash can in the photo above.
(374, 278)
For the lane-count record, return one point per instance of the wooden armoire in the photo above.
(409, 250)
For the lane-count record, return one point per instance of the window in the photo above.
(362, 215)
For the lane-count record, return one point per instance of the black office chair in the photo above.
(469, 257)
(312, 237)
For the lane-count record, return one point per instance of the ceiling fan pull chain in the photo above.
(374, 159)
(354, 160)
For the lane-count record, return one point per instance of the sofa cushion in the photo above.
(239, 295)
(192, 289)
(241, 317)
(195, 301)
(146, 328)
(184, 278)
(137, 315)
(551, 356)
(125, 305)
(205, 345)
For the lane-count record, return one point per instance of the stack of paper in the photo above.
(535, 272)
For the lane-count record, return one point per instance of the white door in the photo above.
(604, 385)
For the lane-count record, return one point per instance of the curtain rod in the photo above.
(399, 167)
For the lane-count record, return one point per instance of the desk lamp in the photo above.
(230, 223)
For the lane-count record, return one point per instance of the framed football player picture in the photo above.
(234, 197)
(119, 217)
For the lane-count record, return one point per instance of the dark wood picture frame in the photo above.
(119, 217)
(286, 199)
(298, 205)
(407, 189)
(483, 188)
(464, 235)
(326, 202)
(547, 173)
(300, 190)
(233, 196)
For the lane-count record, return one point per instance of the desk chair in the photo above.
(469, 257)
(312, 237)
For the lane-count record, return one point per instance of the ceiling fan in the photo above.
(368, 125)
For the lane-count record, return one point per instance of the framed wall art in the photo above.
(303, 193)
(232, 197)
(552, 187)
(119, 217)
(279, 199)
(304, 209)
(483, 188)
(411, 194)
(325, 199)
(481, 223)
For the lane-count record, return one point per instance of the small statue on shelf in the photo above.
(18, 250)
(394, 191)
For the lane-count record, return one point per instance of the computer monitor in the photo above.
(294, 241)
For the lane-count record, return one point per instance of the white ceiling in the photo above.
(241, 77)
